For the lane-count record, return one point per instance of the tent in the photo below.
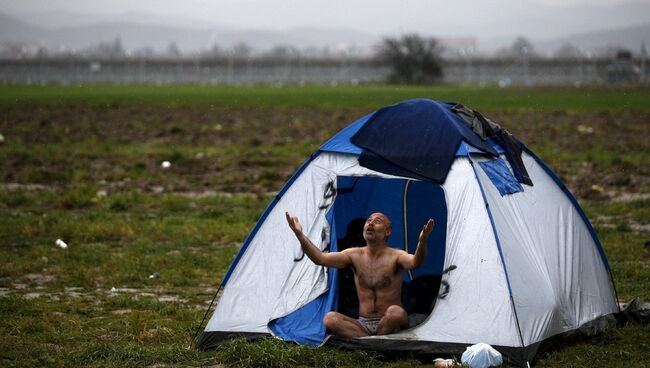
(513, 261)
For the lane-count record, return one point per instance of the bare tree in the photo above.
(173, 51)
(569, 51)
(241, 51)
(283, 52)
(214, 51)
(522, 48)
(414, 59)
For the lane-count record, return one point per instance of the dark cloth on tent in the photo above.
(415, 138)
(485, 128)
(372, 160)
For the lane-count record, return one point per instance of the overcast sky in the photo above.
(449, 18)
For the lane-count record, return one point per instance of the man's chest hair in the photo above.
(376, 273)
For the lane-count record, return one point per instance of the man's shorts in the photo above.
(369, 324)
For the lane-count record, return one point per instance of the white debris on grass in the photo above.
(61, 244)
(165, 164)
(443, 363)
(584, 129)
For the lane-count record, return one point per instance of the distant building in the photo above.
(623, 69)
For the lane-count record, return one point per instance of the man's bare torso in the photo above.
(378, 278)
(377, 274)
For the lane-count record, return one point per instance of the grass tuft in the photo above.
(274, 353)
(112, 355)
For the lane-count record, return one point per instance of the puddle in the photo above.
(640, 228)
(628, 197)
(30, 296)
(78, 292)
(171, 298)
(25, 187)
(39, 278)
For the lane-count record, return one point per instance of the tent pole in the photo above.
(404, 221)
(521, 337)
(611, 277)
(193, 341)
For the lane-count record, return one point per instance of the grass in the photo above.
(269, 352)
(327, 97)
(83, 164)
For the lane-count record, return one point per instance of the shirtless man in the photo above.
(377, 275)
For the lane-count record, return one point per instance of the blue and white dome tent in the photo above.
(513, 261)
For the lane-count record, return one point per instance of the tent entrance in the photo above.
(409, 204)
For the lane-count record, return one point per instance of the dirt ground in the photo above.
(598, 155)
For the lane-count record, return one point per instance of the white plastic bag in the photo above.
(481, 356)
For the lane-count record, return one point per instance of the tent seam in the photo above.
(498, 243)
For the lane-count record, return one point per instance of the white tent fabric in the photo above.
(558, 279)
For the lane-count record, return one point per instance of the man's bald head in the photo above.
(377, 228)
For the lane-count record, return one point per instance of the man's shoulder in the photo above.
(396, 251)
(352, 250)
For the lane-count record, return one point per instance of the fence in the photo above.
(302, 71)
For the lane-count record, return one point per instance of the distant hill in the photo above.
(629, 37)
(138, 31)
(135, 35)
(12, 29)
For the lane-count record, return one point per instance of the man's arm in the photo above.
(411, 261)
(335, 259)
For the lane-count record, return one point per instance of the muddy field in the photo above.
(598, 155)
(148, 244)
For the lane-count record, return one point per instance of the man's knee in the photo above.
(331, 320)
(396, 313)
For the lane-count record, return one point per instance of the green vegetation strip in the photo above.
(328, 97)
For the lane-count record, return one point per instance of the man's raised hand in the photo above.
(426, 230)
(294, 224)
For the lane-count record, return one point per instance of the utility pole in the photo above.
(644, 57)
